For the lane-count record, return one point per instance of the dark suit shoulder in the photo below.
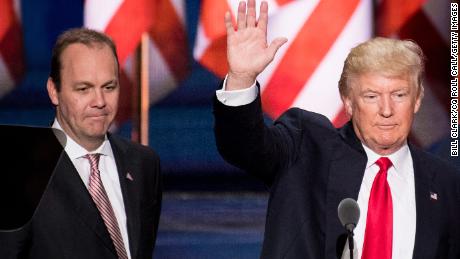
(437, 163)
(441, 172)
(131, 147)
(307, 121)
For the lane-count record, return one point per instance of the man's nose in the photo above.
(386, 106)
(99, 98)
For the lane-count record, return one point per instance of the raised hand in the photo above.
(247, 51)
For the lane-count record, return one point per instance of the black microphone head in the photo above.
(348, 212)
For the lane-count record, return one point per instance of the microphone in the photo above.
(348, 212)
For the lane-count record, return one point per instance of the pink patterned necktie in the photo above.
(378, 237)
(99, 195)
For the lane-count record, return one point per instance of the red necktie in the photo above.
(378, 237)
(97, 191)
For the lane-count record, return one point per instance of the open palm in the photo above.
(247, 51)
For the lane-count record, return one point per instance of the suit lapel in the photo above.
(427, 226)
(75, 195)
(345, 176)
(129, 191)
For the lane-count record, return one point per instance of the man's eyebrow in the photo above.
(369, 90)
(110, 82)
(85, 83)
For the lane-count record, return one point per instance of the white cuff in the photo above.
(237, 97)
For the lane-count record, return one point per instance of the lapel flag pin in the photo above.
(129, 177)
(433, 196)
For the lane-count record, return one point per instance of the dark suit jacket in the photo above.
(67, 223)
(310, 167)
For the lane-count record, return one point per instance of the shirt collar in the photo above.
(400, 159)
(74, 150)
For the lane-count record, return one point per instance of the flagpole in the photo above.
(144, 90)
(140, 95)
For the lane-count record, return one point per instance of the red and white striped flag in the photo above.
(427, 23)
(125, 21)
(305, 73)
(11, 45)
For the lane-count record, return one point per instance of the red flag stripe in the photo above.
(283, 2)
(292, 73)
(212, 12)
(166, 29)
(7, 16)
(11, 48)
(215, 56)
(125, 102)
(341, 118)
(392, 15)
(127, 36)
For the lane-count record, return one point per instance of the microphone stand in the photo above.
(351, 242)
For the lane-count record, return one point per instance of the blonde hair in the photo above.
(388, 57)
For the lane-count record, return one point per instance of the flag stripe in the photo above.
(392, 15)
(212, 12)
(283, 2)
(98, 13)
(211, 41)
(215, 56)
(168, 29)
(138, 16)
(11, 46)
(126, 94)
(11, 50)
(292, 72)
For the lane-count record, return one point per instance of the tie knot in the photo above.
(384, 163)
(93, 160)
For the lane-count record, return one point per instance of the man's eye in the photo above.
(109, 87)
(82, 89)
(399, 96)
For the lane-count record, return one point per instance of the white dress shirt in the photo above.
(400, 179)
(109, 176)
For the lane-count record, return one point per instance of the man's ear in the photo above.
(348, 105)
(52, 91)
(419, 98)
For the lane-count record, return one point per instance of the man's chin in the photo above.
(97, 134)
(389, 147)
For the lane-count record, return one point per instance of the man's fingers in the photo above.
(275, 45)
(263, 17)
(251, 17)
(228, 23)
(241, 17)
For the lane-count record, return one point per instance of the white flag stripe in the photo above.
(99, 13)
(179, 6)
(285, 23)
(17, 10)
(6, 82)
(201, 43)
(321, 94)
(162, 81)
